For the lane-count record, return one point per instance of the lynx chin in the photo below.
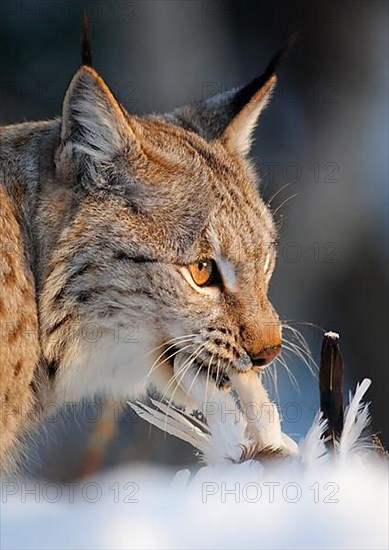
(128, 241)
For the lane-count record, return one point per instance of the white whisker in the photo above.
(300, 348)
(217, 378)
(273, 375)
(154, 367)
(292, 378)
(306, 360)
(176, 339)
(278, 192)
(207, 379)
(182, 371)
(284, 202)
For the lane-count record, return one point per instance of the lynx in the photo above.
(126, 241)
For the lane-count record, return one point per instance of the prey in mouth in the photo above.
(214, 383)
(214, 373)
(215, 367)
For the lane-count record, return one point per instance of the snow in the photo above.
(313, 499)
(237, 506)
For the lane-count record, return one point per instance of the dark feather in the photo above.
(86, 52)
(331, 386)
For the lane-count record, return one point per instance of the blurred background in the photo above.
(324, 137)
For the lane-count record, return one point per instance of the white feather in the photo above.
(312, 448)
(221, 439)
(356, 420)
(172, 426)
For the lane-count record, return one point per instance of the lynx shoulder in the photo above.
(19, 344)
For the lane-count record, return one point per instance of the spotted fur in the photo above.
(101, 212)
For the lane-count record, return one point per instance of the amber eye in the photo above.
(203, 273)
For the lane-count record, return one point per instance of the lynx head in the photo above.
(163, 231)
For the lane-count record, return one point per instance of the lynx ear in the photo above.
(248, 102)
(93, 122)
(231, 117)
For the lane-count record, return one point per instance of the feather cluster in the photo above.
(228, 441)
(235, 436)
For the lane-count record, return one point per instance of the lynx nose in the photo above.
(265, 356)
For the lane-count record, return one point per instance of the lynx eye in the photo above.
(203, 273)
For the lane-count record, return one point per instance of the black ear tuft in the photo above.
(279, 57)
(246, 93)
(86, 52)
(231, 117)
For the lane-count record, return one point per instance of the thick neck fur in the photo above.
(28, 172)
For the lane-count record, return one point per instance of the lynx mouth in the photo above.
(217, 375)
